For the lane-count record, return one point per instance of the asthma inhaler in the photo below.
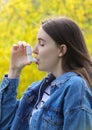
(29, 54)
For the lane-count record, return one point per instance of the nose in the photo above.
(35, 49)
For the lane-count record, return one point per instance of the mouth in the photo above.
(37, 61)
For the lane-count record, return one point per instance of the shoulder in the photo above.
(78, 84)
(73, 84)
(76, 79)
(78, 94)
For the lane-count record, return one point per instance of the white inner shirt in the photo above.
(45, 97)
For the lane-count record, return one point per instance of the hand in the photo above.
(18, 59)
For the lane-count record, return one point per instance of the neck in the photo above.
(58, 73)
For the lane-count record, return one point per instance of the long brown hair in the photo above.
(65, 31)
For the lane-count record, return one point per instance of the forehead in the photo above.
(42, 34)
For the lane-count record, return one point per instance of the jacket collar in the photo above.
(63, 78)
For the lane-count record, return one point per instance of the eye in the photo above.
(41, 43)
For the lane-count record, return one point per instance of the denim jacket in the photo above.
(68, 108)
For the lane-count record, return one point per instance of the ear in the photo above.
(62, 50)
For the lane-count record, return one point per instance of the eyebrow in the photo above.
(41, 39)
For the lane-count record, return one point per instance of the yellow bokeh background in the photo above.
(20, 21)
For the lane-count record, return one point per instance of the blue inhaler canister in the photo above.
(29, 54)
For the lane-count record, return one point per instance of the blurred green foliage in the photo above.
(20, 21)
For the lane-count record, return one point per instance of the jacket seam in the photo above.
(79, 108)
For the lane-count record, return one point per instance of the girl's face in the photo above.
(47, 53)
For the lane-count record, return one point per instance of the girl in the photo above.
(63, 99)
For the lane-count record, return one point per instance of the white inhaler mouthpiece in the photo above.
(30, 58)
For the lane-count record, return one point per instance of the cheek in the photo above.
(44, 53)
(48, 56)
(47, 53)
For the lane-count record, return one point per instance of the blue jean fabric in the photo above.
(68, 108)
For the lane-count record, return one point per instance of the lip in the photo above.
(37, 62)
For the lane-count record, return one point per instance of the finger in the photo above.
(24, 45)
(15, 47)
(21, 45)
